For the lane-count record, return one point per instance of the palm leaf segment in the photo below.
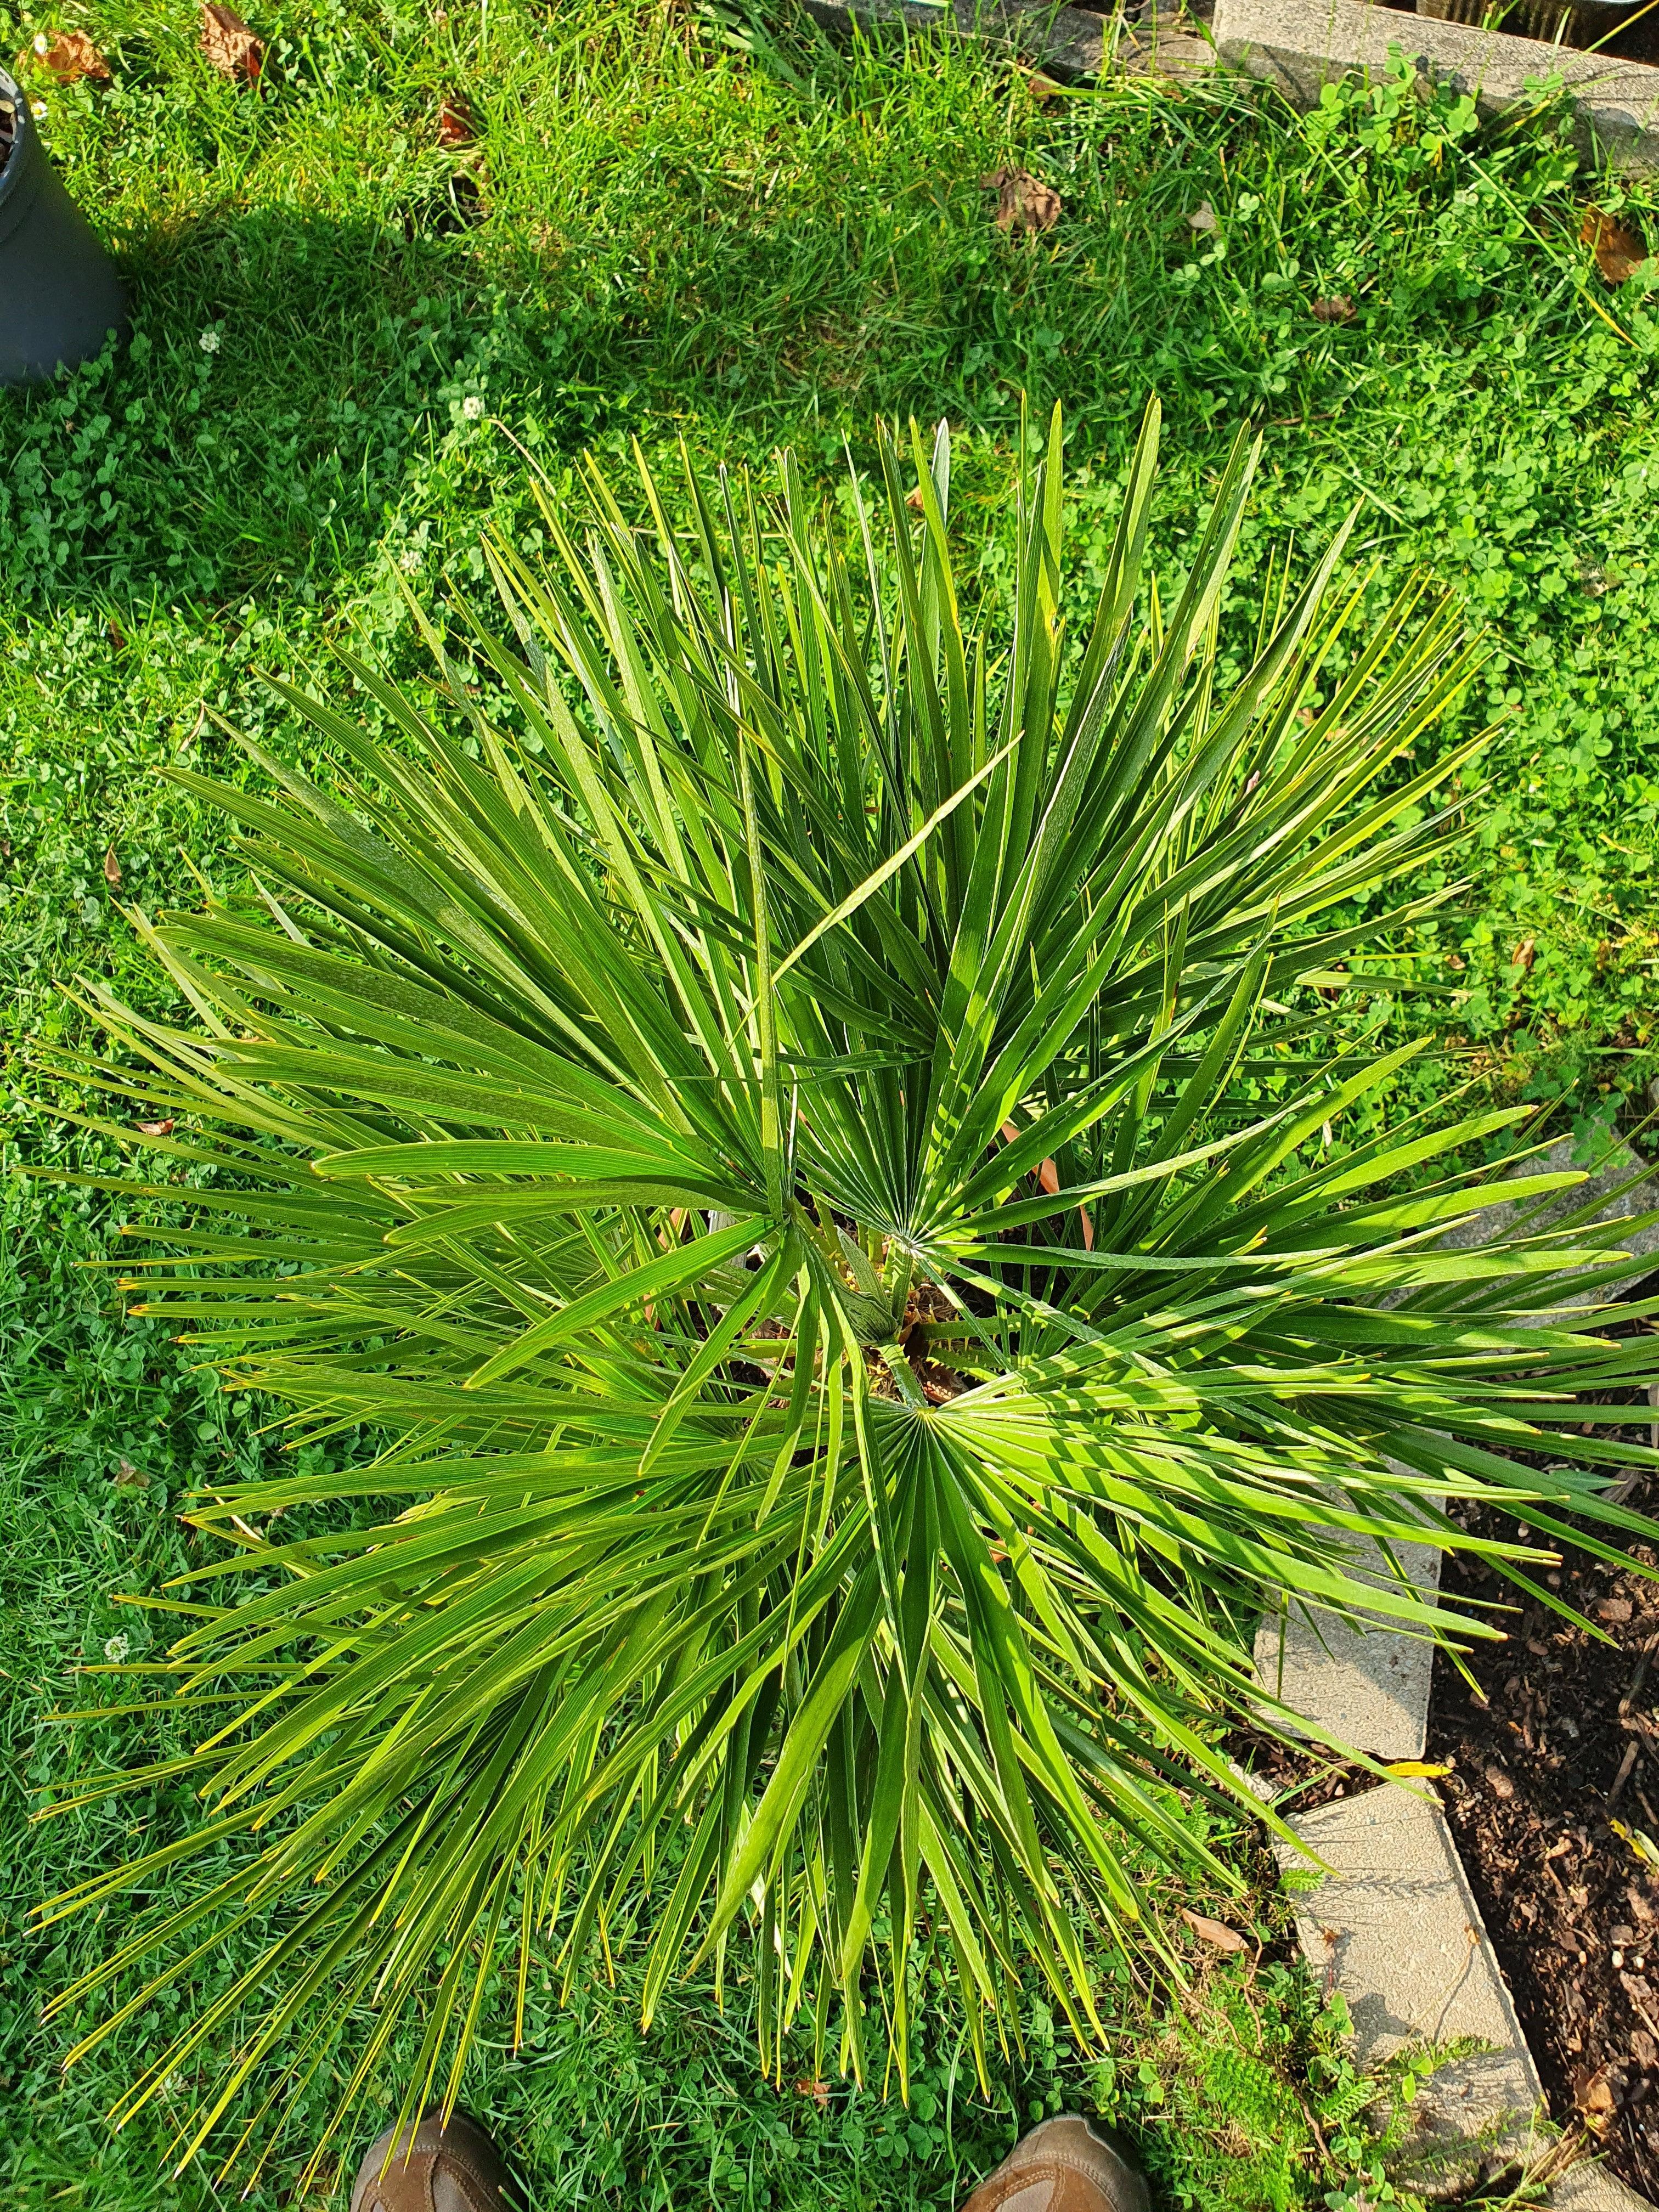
(756, 1101)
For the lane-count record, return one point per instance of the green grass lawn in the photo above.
(346, 340)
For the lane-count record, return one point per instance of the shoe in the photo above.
(439, 2169)
(1062, 2166)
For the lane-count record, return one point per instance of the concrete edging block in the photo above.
(1396, 1926)
(1072, 42)
(1302, 46)
(1395, 1929)
(1365, 1683)
(1621, 1187)
(1592, 2189)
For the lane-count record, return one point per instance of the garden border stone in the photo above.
(1303, 45)
(1366, 1683)
(1071, 42)
(1394, 1925)
(1396, 1928)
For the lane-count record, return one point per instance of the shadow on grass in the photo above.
(292, 383)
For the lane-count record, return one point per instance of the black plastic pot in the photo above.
(59, 294)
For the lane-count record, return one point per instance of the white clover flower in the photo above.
(117, 1648)
(472, 407)
(410, 560)
(208, 341)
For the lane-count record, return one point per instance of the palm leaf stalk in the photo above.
(793, 1117)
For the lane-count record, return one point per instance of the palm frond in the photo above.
(785, 1112)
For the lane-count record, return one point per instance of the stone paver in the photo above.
(1592, 2189)
(1302, 46)
(1397, 1930)
(1366, 1685)
(1395, 1927)
(1605, 1193)
(1073, 42)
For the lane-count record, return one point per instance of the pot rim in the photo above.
(24, 173)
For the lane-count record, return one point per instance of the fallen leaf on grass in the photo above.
(1619, 248)
(457, 124)
(233, 49)
(1202, 217)
(69, 56)
(155, 1129)
(817, 2091)
(111, 870)
(129, 1477)
(1339, 308)
(1024, 201)
(1215, 1932)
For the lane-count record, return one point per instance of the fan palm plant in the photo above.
(794, 1121)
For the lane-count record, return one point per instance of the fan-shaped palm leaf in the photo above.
(787, 1111)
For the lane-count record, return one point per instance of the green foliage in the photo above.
(694, 242)
(674, 236)
(592, 2103)
(783, 1106)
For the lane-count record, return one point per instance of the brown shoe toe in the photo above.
(439, 2169)
(1062, 2166)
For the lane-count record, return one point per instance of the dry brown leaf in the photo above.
(817, 2091)
(111, 870)
(129, 1477)
(1049, 1180)
(1339, 308)
(233, 49)
(1203, 217)
(1215, 1932)
(1619, 248)
(155, 1129)
(457, 124)
(1593, 2095)
(1524, 954)
(1024, 201)
(68, 55)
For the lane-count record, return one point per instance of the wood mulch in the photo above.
(1553, 1798)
